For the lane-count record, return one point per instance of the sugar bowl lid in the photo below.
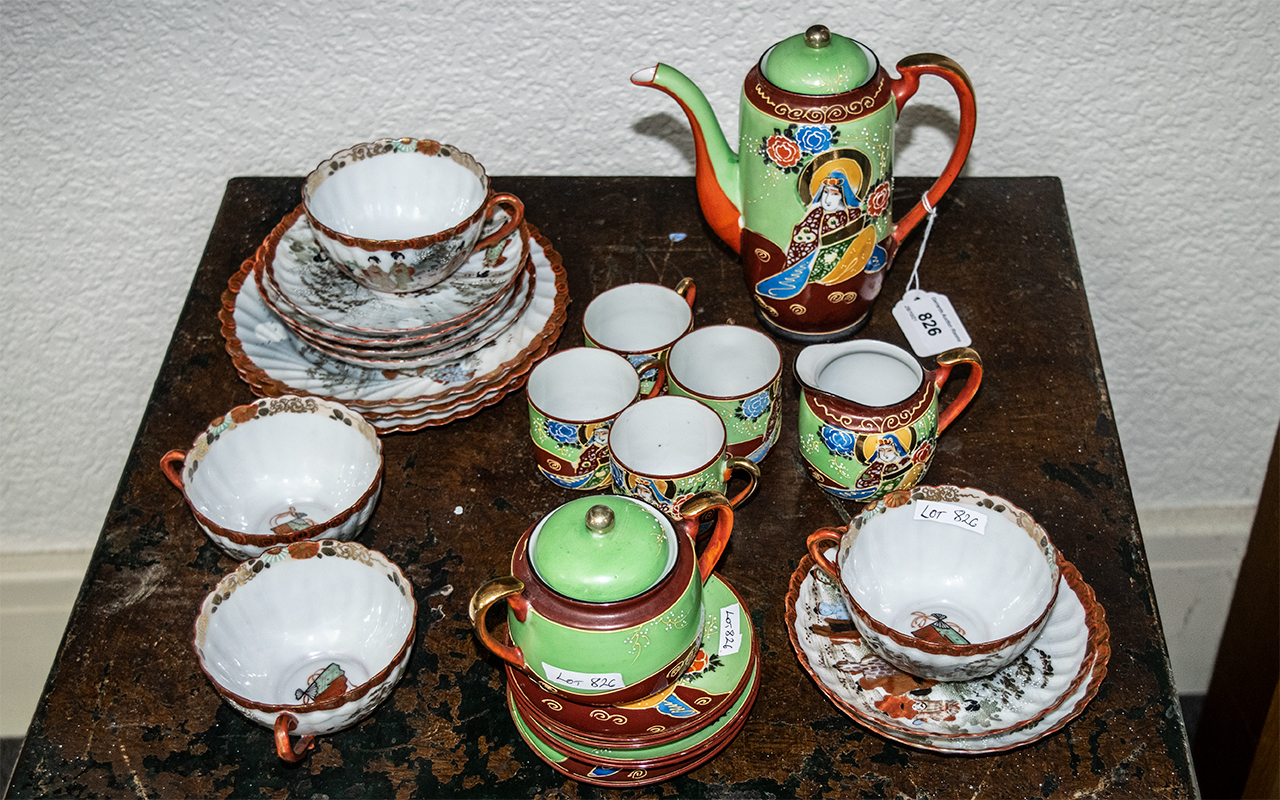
(816, 62)
(603, 548)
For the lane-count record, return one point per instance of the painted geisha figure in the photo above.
(591, 441)
(835, 239)
(890, 459)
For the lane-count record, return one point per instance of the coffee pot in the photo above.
(807, 198)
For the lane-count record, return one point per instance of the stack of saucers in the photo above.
(304, 326)
(662, 736)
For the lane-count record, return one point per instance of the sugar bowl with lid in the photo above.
(605, 597)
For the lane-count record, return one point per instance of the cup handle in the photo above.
(947, 360)
(911, 68)
(492, 591)
(687, 289)
(660, 381)
(753, 477)
(816, 544)
(171, 465)
(516, 209)
(284, 748)
(694, 507)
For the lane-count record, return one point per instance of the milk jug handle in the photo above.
(947, 360)
(910, 70)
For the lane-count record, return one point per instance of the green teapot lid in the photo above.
(603, 548)
(817, 62)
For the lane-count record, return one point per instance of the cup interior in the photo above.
(872, 377)
(280, 469)
(667, 437)
(724, 361)
(637, 318)
(274, 633)
(583, 384)
(903, 570)
(398, 195)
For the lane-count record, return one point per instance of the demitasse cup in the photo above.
(574, 396)
(667, 449)
(869, 418)
(400, 215)
(639, 321)
(736, 372)
(943, 582)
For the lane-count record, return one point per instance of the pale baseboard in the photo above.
(1194, 555)
(37, 591)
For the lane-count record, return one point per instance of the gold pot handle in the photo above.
(489, 593)
(697, 505)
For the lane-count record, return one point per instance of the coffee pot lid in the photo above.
(816, 62)
(603, 548)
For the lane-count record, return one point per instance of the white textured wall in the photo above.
(121, 121)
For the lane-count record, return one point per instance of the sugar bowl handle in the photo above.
(492, 591)
(693, 508)
(817, 544)
(284, 748)
(171, 465)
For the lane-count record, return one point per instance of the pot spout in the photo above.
(716, 163)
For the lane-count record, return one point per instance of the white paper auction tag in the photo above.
(584, 680)
(730, 629)
(930, 323)
(951, 514)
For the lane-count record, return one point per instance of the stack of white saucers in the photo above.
(302, 325)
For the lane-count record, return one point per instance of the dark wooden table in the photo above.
(127, 712)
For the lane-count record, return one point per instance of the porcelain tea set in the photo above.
(403, 293)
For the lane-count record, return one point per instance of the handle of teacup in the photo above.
(687, 289)
(947, 360)
(288, 751)
(171, 465)
(818, 542)
(660, 381)
(911, 68)
(699, 504)
(492, 591)
(753, 477)
(514, 207)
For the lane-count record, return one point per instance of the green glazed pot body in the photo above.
(817, 178)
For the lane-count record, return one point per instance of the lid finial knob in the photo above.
(817, 36)
(600, 519)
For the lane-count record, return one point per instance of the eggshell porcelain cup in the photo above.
(639, 321)
(736, 372)
(307, 639)
(667, 449)
(574, 396)
(944, 582)
(280, 470)
(401, 215)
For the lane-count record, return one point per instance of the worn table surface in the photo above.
(127, 712)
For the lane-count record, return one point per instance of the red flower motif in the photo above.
(301, 550)
(699, 662)
(922, 453)
(242, 414)
(895, 499)
(782, 151)
(878, 200)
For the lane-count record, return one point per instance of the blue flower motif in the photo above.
(754, 407)
(838, 440)
(562, 433)
(813, 138)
